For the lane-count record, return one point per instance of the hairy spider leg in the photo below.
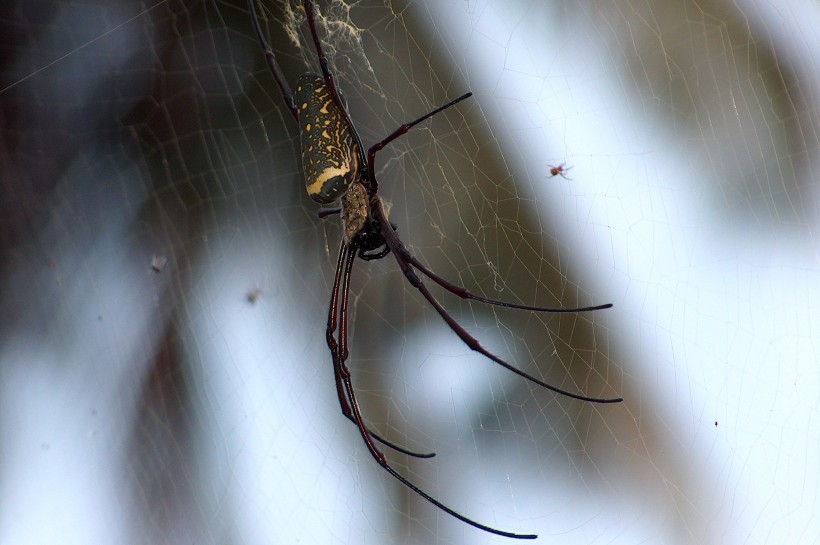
(464, 294)
(273, 66)
(400, 254)
(377, 147)
(380, 459)
(340, 352)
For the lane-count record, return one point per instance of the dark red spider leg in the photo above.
(394, 244)
(325, 212)
(375, 148)
(464, 294)
(344, 253)
(330, 81)
(270, 58)
(452, 288)
(343, 374)
(339, 351)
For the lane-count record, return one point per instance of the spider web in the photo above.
(163, 370)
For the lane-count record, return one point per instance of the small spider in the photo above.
(253, 296)
(158, 263)
(559, 171)
(337, 167)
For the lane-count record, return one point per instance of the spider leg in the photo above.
(376, 254)
(330, 81)
(325, 212)
(375, 148)
(406, 267)
(343, 377)
(339, 351)
(323, 63)
(273, 66)
(464, 294)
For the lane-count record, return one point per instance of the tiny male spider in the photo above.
(559, 170)
(337, 168)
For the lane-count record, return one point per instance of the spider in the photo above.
(559, 171)
(338, 169)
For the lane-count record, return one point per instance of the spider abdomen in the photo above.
(329, 150)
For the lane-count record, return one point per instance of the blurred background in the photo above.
(164, 376)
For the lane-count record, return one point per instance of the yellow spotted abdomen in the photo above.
(330, 158)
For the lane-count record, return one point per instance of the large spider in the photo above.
(337, 168)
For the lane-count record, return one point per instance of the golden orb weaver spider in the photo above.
(337, 168)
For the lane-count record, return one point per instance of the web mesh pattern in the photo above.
(164, 376)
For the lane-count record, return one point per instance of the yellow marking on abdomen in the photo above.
(327, 174)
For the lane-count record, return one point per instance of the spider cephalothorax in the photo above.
(337, 169)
